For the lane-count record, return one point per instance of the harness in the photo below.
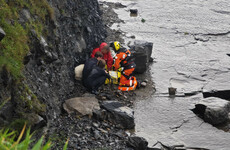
(128, 62)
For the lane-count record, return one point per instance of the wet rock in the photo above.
(119, 114)
(213, 110)
(137, 143)
(133, 11)
(143, 84)
(172, 91)
(142, 51)
(95, 125)
(2, 33)
(81, 105)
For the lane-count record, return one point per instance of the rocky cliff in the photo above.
(59, 35)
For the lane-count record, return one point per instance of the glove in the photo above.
(120, 69)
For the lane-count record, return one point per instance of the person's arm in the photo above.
(107, 75)
(103, 72)
(109, 61)
(119, 57)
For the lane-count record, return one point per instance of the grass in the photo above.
(10, 141)
(15, 46)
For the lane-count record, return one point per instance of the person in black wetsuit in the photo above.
(89, 65)
(97, 77)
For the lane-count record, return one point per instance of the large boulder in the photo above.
(142, 51)
(137, 143)
(81, 105)
(119, 114)
(2, 34)
(213, 110)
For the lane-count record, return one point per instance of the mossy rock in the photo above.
(27, 101)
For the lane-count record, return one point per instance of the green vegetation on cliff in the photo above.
(18, 18)
(15, 46)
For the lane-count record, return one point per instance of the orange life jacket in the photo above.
(124, 58)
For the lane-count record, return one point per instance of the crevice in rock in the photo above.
(179, 126)
(221, 12)
(220, 94)
(187, 44)
(217, 34)
(175, 147)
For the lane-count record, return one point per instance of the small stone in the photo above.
(46, 84)
(151, 59)
(97, 134)
(77, 135)
(143, 84)
(133, 11)
(103, 98)
(102, 130)
(146, 80)
(95, 125)
(132, 37)
(172, 91)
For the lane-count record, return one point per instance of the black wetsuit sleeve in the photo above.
(102, 71)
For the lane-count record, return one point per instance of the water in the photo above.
(191, 41)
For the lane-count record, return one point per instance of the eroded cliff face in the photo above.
(70, 35)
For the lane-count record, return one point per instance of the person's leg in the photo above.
(125, 79)
(98, 82)
(129, 88)
(88, 86)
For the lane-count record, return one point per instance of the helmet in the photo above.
(116, 45)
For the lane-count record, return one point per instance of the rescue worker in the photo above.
(105, 50)
(97, 77)
(126, 60)
(89, 64)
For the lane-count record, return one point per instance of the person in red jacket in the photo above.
(104, 48)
